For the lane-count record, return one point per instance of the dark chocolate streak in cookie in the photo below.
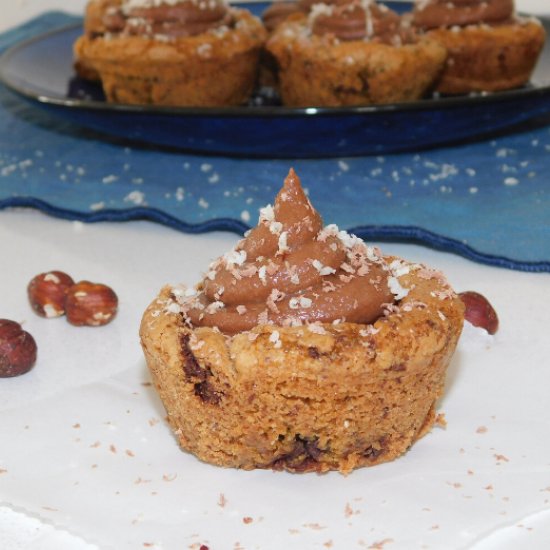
(197, 374)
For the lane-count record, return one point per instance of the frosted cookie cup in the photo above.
(176, 53)
(490, 47)
(303, 348)
(354, 53)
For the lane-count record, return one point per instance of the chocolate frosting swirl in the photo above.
(430, 14)
(289, 270)
(277, 12)
(174, 19)
(355, 20)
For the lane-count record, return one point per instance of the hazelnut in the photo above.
(47, 293)
(90, 304)
(17, 349)
(479, 311)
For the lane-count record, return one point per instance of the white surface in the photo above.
(14, 12)
(87, 460)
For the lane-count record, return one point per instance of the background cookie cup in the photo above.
(489, 58)
(315, 70)
(214, 68)
(490, 47)
(310, 398)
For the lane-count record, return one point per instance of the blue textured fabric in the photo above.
(487, 200)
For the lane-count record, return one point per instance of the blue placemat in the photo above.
(488, 201)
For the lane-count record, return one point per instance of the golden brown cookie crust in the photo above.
(489, 58)
(315, 70)
(95, 13)
(209, 69)
(318, 398)
(93, 27)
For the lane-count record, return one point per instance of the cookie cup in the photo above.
(215, 68)
(489, 58)
(318, 398)
(322, 71)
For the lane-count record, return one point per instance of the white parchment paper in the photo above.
(86, 455)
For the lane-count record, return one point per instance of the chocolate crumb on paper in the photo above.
(314, 526)
(501, 458)
(379, 545)
(140, 480)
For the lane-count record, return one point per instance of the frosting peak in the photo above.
(283, 228)
(290, 270)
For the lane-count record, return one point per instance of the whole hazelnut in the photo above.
(17, 349)
(47, 293)
(90, 304)
(479, 312)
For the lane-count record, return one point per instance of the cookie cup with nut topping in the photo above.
(336, 398)
(181, 53)
(492, 59)
(490, 47)
(354, 53)
(335, 362)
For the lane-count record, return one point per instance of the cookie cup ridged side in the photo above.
(329, 397)
(489, 58)
(316, 70)
(94, 15)
(93, 27)
(215, 68)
